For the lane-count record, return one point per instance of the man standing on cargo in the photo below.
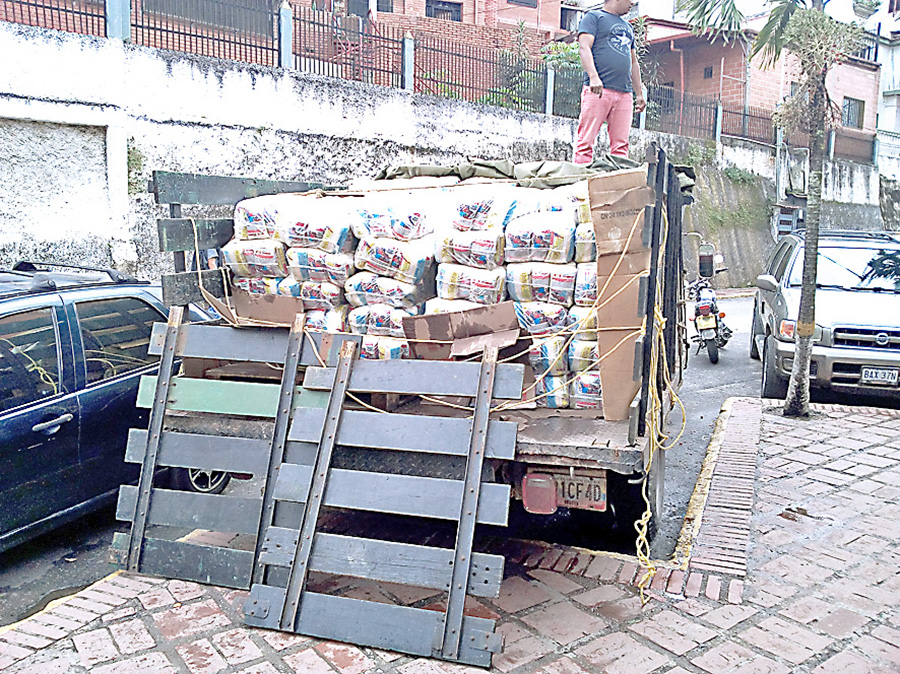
(612, 79)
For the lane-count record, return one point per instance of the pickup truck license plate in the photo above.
(585, 493)
(886, 376)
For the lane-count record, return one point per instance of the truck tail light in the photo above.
(539, 493)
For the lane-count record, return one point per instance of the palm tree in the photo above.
(818, 42)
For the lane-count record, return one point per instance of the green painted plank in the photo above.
(226, 397)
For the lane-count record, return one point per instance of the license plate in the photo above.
(704, 322)
(884, 376)
(585, 493)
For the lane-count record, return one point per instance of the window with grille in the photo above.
(708, 72)
(441, 9)
(524, 3)
(852, 113)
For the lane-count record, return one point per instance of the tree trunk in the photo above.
(797, 401)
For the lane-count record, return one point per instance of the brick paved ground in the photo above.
(795, 569)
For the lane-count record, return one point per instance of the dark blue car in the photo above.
(73, 347)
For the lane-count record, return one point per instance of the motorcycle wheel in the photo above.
(712, 348)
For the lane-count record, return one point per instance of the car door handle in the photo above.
(47, 425)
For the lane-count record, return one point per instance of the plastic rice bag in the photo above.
(365, 288)
(310, 221)
(583, 322)
(586, 284)
(384, 348)
(548, 357)
(541, 282)
(583, 355)
(438, 305)
(471, 206)
(316, 295)
(311, 264)
(255, 218)
(255, 286)
(552, 392)
(289, 287)
(540, 318)
(331, 320)
(585, 243)
(386, 321)
(483, 250)
(405, 261)
(392, 215)
(358, 320)
(261, 257)
(584, 391)
(541, 237)
(458, 282)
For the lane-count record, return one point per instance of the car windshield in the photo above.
(853, 268)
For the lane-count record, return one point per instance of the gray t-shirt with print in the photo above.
(613, 42)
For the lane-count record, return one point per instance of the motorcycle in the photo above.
(712, 333)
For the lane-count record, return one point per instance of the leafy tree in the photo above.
(818, 42)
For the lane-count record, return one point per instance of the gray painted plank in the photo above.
(204, 452)
(425, 377)
(182, 288)
(194, 511)
(407, 432)
(225, 567)
(384, 626)
(192, 188)
(385, 561)
(255, 345)
(397, 494)
(178, 233)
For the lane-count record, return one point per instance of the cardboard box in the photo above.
(632, 263)
(255, 309)
(620, 371)
(619, 181)
(614, 215)
(461, 333)
(627, 308)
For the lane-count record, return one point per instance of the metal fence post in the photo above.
(875, 150)
(551, 91)
(286, 36)
(831, 137)
(118, 19)
(408, 67)
(720, 115)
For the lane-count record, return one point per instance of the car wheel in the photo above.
(712, 348)
(755, 331)
(200, 481)
(773, 385)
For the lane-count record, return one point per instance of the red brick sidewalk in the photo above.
(794, 568)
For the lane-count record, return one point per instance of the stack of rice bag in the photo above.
(394, 261)
(295, 245)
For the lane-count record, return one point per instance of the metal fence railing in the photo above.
(672, 111)
(238, 30)
(750, 123)
(348, 47)
(73, 16)
(477, 74)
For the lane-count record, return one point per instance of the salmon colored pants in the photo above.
(616, 108)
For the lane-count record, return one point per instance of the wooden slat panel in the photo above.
(194, 511)
(365, 623)
(426, 377)
(397, 494)
(224, 567)
(182, 288)
(203, 452)
(384, 561)
(191, 188)
(224, 397)
(256, 345)
(407, 432)
(178, 234)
